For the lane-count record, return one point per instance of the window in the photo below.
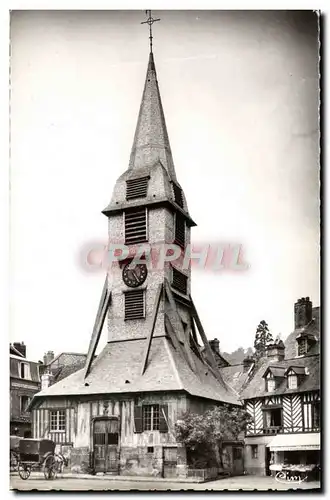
(134, 305)
(316, 415)
(302, 347)
(179, 281)
(24, 371)
(254, 451)
(150, 417)
(150, 449)
(292, 381)
(180, 227)
(57, 420)
(271, 385)
(178, 197)
(135, 226)
(24, 402)
(273, 418)
(137, 188)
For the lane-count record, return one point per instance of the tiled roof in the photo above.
(64, 371)
(277, 371)
(118, 370)
(256, 386)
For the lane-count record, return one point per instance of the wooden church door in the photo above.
(105, 444)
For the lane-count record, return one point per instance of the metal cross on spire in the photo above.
(150, 21)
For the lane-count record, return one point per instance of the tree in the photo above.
(262, 338)
(203, 435)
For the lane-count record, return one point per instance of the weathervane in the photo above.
(150, 21)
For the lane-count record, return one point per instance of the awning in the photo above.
(294, 442)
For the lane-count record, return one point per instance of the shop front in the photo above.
(295, 457)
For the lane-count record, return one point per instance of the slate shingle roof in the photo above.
(118, 370)
(256, 386)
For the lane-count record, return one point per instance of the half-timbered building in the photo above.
(118, 414)
(282, 395)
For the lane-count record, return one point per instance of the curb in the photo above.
(106, 477)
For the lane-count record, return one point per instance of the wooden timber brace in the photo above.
(98, 325)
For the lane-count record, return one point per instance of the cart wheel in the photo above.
(50, 467)
(24, 471)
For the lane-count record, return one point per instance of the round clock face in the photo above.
(136, 275)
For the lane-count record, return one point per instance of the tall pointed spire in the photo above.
(151, 142)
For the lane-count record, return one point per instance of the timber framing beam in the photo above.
(183, 333)
(152, 328)
(98, 325)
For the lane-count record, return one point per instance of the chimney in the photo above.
(46, 380)
(276, 351)
(247, 362)
(303, 313)
(20, 347)
(48, 357)
(215, 345)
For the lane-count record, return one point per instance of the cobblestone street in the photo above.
(77, 484)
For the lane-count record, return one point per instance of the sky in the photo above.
(240, 96)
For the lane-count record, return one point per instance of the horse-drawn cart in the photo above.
(37, 454)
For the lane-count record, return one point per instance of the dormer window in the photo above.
(305, 341)
(302, 347)
(24, 371)
(292, 381)
(274, 376)
(295, 375)
(270, 383)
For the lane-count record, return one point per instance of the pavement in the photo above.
(70, 482)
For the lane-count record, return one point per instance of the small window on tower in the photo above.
(134, 304)
(178, 196)
(180, 229)
(135, 226)
(137, 188)
(179, 281)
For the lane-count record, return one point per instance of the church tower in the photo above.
(157, 362)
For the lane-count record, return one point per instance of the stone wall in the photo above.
(80, 460)
(256, 466)
(141, 461)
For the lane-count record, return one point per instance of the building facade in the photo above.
(282, 395)
(24, 384)
(117, 415)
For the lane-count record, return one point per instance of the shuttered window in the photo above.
(136, 226)
(137, 188)
(138, 419)
(178, 196)
(134, 304)
(180, 227)
(153, 417)
(179, 281)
